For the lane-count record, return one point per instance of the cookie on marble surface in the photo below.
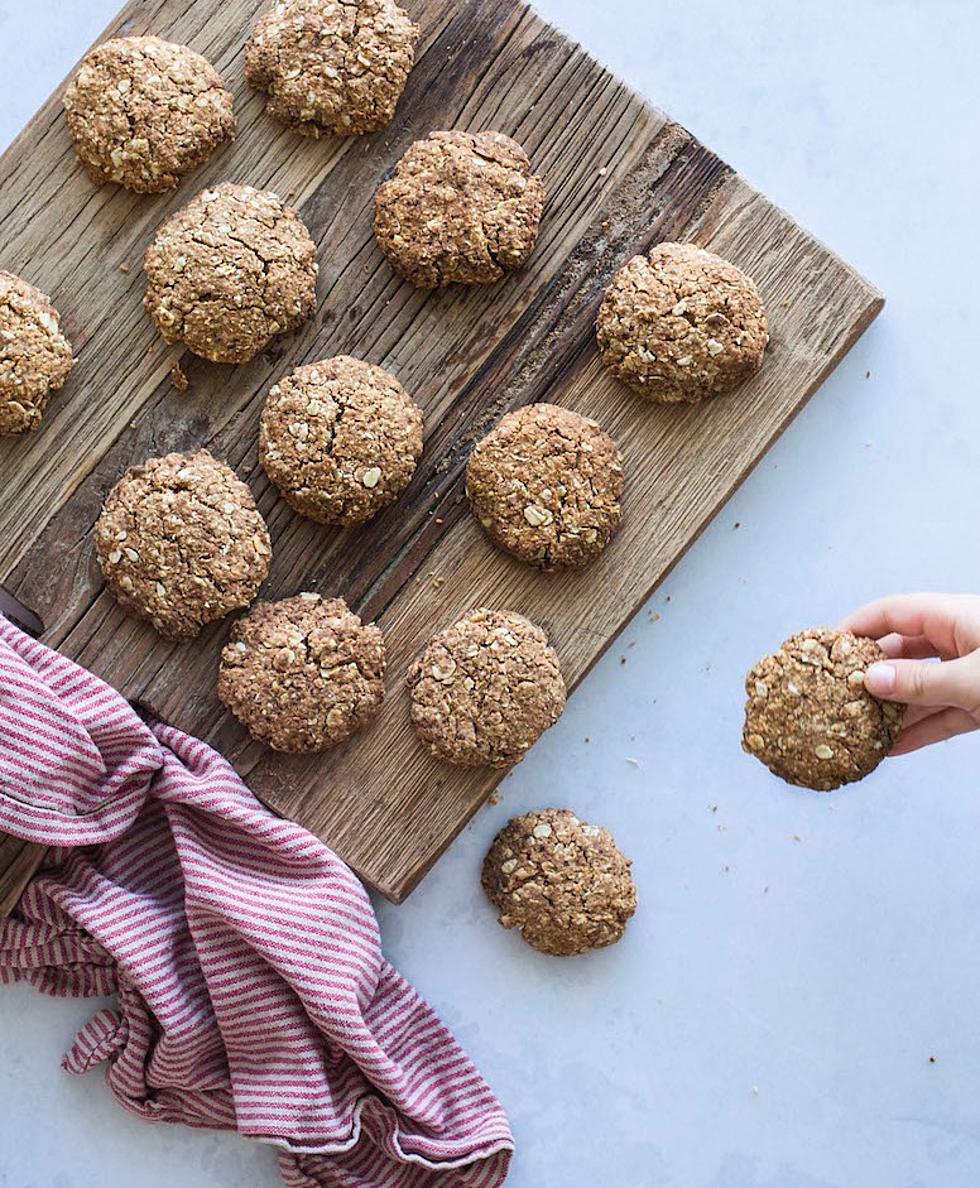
(303, 673)
(681, 324)
(340, 439)
(485, 689)
(461, 208)
(338, 65)
(35, 357)
(546, 485)
(809, 718)
(144, 112)
(564, 885)
(181, 543)
(229, 272)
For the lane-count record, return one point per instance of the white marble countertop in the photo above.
(769, 1019)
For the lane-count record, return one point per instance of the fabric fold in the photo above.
(252, 991)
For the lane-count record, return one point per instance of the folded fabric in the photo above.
(252, 993)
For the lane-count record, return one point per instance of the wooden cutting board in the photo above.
(620, 177)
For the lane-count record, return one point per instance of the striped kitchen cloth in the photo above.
(245, 956)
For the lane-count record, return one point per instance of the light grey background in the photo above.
(797, 958)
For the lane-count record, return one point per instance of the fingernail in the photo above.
(880, 679)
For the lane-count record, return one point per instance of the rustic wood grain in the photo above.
(620, 178)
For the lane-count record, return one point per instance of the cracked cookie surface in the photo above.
(181, 543)
(564, 885)
(546, 485)
(485, 689)
(35, 357)
(340, 439)
(681, 324)
(461, 208)
(229, 272)
(339, 65)
(303, 673)
(809, 718)
(144, 112)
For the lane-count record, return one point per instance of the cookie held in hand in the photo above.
(809, 718)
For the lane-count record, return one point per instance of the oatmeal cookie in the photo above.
(809, 718)
(144, 112)
(340, 439)
(461, 207)
(339, 65)
(35, 357)
(564, 885)
(181, 543)
(303, 673)
(546, 485)
(485, 689)
(681, 324)
(229, 272)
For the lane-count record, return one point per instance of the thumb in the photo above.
(947, 683)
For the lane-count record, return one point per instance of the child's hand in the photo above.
(943, 698)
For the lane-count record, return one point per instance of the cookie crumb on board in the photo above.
(178, 378)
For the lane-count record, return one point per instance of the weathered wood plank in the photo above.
(620, 177)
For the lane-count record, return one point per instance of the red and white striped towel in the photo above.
(245, 955)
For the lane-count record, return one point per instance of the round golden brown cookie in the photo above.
(230, 271)
(681, 324)
(809, 718)
(564, 885)
(35, 357)
(181, 542)
(335, 64)
(485, 689)
(340, 439)
(546, 485)
(144, 112)
(461, 207)
(302, 674)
